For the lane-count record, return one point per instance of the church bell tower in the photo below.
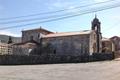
(97, 28)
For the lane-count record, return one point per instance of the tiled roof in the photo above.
(117, 37)
(68, 33)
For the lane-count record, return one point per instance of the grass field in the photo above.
(106, 70)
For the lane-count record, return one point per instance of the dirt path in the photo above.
(107, 70)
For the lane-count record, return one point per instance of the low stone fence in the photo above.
(103, 56)
(50, 59)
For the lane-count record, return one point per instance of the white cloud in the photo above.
(9, 33)
(60, 4)
(67, 5)
(72, 9)
(100, 0)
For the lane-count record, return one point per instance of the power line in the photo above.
(65, 17)
(110, 28)
(41, 18)
(53, 12)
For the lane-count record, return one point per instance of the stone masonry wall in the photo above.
(69, 45)
(27, 34)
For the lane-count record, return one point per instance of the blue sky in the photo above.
(12, 8)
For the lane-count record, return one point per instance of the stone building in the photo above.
(84, 42)
(6, 49)
(72, 43)
(24, 48)
(35, 33)
(116, 41)
(107, 45)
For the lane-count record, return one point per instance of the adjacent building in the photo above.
(107, 45)
(24, 48)
(6, 49)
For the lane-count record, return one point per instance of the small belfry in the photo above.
(96, 26)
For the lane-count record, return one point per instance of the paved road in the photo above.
(107, 70)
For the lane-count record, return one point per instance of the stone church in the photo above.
(84, 42)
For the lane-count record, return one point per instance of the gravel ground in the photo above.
(106, 70)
